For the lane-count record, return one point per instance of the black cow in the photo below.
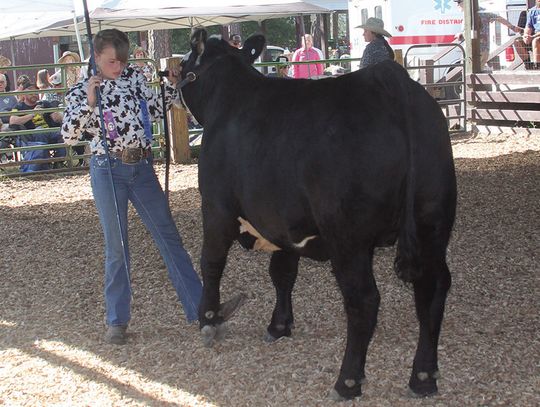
(328, 169)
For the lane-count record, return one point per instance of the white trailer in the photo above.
(426, 22)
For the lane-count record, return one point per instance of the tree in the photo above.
(159, 44)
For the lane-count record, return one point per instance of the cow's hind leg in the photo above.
(283, 271)
(219, 234)
(361, 297)
(430, 291)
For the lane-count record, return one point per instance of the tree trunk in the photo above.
(159, 44)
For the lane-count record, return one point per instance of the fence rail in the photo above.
(504, 102)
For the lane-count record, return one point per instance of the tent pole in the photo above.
(78, 35)
(13, 63)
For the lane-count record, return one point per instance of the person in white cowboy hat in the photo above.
(5, 61)
(378, 49)
(72, 72)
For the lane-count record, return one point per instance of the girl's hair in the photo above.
(113, 38)
(387, 46)
(42, 79)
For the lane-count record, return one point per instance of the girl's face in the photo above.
(368, 36)
(139, 55)
(109, 66)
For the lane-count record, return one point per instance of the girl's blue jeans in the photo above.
(138, 183)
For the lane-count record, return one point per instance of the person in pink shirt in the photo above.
(306, 53)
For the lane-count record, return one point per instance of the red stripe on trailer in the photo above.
(421, 39)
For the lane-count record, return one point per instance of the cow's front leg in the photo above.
(361, 299)
(217, 240)
(283, 271)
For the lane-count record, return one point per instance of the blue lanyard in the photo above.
(146, 120)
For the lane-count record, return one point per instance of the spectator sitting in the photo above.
(22, 81)
(523, 49)
(282, 69)
(56, 82)
(485, 19)
(7, 102)
(146, 67)
(42, 81)
(532, 33)
(378, 49)
(72, 72)
(33, 121)
(5, 61)
(306, 53)
(236, 41)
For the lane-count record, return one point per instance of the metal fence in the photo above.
(73, 158)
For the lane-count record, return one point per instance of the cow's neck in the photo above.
(216, 88)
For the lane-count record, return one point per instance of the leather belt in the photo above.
(131, 155)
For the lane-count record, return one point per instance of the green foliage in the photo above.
(279, 31)
(180, 38)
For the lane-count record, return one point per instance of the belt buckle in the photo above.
(132, 155)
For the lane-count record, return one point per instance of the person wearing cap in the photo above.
(72, 72)
(236, 41)
(35, 120)
(378, 49)
(282, 69)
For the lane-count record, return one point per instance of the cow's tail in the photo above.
(406, 263)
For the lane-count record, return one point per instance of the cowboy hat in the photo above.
(375, 25)
(66, 54)
(4, 61)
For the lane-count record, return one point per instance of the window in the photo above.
(364, 14)
(378, 12)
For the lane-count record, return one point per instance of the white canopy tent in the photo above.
(138, 15)
(56, 17)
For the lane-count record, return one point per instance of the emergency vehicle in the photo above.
(428, 22)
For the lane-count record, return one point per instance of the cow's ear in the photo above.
(253, 47)
(198, 39)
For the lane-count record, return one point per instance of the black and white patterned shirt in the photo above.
(374, 52)
(121, 100)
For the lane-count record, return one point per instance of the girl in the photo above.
(128, 108)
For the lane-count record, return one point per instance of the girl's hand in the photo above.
(93, 84)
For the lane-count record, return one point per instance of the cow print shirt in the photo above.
(121, 99)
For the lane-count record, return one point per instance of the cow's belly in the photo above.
(310, 246)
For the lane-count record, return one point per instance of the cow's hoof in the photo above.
(423, 384)
(268, 338)
(346, 390)
(415, 395)
(210, 334)
(334, 395)
(273, 333)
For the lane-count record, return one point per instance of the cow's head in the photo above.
(205, 51)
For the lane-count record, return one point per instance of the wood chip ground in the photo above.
(51, 307)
